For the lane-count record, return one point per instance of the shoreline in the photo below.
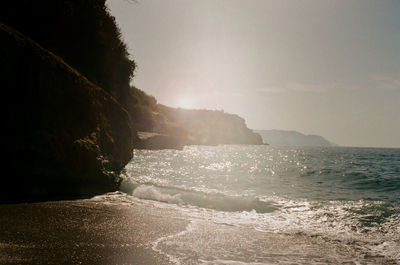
(116, 230)
(83, 232)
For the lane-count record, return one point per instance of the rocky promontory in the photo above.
(204, 127)
(69, 112)
(62, 135)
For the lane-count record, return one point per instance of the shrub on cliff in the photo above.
(83, 33)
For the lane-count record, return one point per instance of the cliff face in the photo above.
(62, 135)
(86, 37)
(204, 127)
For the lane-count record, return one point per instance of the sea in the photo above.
(258, 204)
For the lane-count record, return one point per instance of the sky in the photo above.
(330, 68)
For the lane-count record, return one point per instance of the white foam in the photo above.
(152, 193)
(388, 249)
(295, 219)
(172, 258)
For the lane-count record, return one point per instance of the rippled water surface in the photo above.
(304, 205)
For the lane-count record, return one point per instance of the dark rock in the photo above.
(62, 136)
(155, 141)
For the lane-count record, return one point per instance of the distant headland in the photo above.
(292, 138)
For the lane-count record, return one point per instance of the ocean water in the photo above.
(273, 205)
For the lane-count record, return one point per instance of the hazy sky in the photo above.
(319, 67)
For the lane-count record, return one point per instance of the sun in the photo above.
(185, 102)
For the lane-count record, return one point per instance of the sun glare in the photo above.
(185, 102)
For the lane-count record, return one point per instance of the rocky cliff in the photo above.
(62, 135)
(204, 127)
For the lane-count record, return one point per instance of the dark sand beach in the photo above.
(82, 232)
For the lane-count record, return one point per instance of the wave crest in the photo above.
(216, 201)
(152, 193)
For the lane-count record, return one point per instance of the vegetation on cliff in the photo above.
(83, 33)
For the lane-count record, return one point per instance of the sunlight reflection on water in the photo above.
(342, 194)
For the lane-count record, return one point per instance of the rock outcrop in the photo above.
(156, 141)
(62, 135)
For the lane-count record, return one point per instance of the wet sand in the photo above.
(82, 232)
(114, 229)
